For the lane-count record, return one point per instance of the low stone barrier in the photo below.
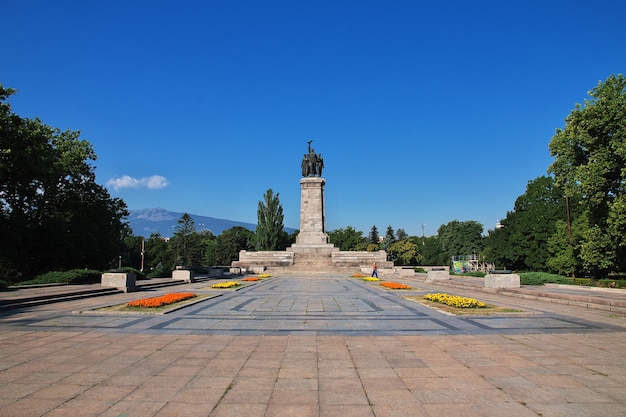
(502, 279)
(437, 274)
(120, 280)
(186, 275)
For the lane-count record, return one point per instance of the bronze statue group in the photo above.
(312, 163)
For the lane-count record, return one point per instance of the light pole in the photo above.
(143, 252)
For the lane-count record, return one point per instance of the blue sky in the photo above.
(424, 111)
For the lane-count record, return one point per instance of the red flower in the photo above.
(162, 300)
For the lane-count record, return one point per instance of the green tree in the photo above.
(53, 215)
(390, 237)
(401, 234)
(373, 238)
(590, 159)
(159, 260)
(431, 250)
(269, 229)
(186, 242)
(460, 238)
(522, 242)
(346, 239)
(230, 242)
(404, 252)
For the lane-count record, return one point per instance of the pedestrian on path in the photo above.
(374, 270)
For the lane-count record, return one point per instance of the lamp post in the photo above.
(119, 262)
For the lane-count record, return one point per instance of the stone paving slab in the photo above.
(311, 346)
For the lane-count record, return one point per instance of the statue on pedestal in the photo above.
(312, 163)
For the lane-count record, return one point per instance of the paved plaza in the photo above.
(312, 346)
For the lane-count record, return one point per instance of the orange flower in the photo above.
(395, 286)
(250, 279)
(162, 300)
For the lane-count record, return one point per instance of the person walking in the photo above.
(374, 270)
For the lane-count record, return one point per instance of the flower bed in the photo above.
(357, 275)
(455, 301)
(371, 279)
(251, 279)
(264, 275)
(166, 299)
(395, 286)
(229, 284)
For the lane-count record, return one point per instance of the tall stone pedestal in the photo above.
(312, 213)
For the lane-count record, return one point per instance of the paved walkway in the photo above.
(312, 346)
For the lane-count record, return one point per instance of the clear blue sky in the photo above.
(424, 111)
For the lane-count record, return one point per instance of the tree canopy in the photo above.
(269, 229)
(590, 160)
(53, 215)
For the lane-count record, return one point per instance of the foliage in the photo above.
(540, 278)
(419, 270)
(590, 160)
(347, 239)
(230, 242)
(401, 234)
(74, 276)
(522, 242)
(455, 300)
(373, 237)
(404, 252)
(186, 242)
(431, 250)
(460, 238)
(269, 229)
(476, 274)
(390, 237)
(53, 215)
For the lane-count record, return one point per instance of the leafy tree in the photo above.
(186, 242)
(373, 237)
(565, 252)
(401, 234)
(404, 252)
(230, 242)
(346, 239)
(390, 236)
(53, 215)
(131, 250)
(269, 229)
(158, 257)
(460, 238)
(522, 242)
(208, 245)
(590, 159)
(431, 250)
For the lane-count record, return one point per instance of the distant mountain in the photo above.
(144, 222)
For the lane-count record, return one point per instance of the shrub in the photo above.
(541, 278)
(3, 285)
(74, 276)
(130, 270)
(420, 270)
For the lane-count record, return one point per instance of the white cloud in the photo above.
(154, 182)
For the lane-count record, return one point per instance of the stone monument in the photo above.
(312, 250)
